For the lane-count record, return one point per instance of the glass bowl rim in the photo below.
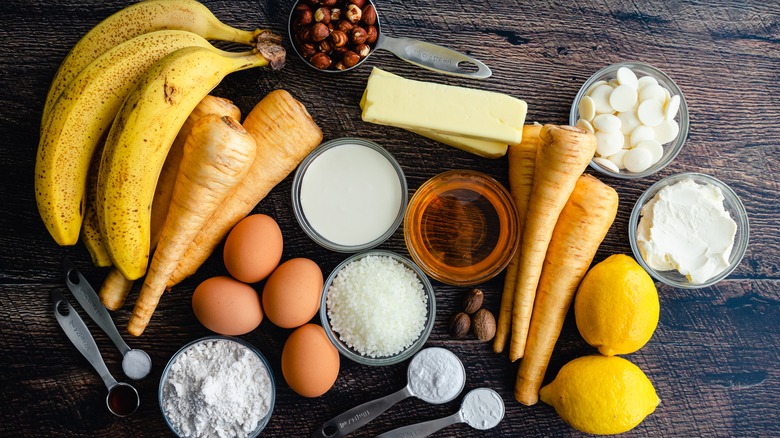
(384, 360)
(164, 377)
(493, 185)
(300, 217)
(683, 114)
(739, 216)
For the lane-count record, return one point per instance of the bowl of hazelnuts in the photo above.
(338, 35)
(334, 35)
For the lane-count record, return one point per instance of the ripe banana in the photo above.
(79, 119)
(90, 230)
(141, 136)
(138, 19)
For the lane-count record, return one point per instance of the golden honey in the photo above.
(461, 227)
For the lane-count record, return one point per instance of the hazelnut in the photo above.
(363, 50)
(371, 34)
(320, 61)
(307, 50)
(357, 35)
(353, 13)
(325, 47)
(304, 36)
(351, 58)
(484, 325)
(460, 324)
(339, 38)
(339, 66)
(311, 3)
(303, 14)
(345, 25)
(328, 2)
(358, 3)
(369, 15)
(335, 14)
(319, 32)
(472, 301)
(322, 15)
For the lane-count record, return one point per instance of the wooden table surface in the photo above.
(714, 357)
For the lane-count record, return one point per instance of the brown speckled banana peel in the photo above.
(137, 19)
(139, 141)
(79, 120)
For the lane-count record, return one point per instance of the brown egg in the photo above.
(291, 296)
(227, 306)
(310, 363)
(253, 248)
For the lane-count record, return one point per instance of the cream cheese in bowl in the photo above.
(685, 227)
(689, 230)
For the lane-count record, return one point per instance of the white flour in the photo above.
(217, 388)
(436, 375)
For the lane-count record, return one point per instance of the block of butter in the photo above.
(443, 110)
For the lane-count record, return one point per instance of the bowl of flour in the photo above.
(217, 386)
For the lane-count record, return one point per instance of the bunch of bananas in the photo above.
(117, 102)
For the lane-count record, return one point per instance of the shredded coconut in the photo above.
(217, 388)
(377, 305)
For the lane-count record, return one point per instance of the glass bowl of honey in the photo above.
(461, 227)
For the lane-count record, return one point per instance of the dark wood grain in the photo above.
(714, 356)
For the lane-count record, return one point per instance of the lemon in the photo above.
(601, 394)
(616, 306)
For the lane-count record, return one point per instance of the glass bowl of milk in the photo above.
(689, 230)
(349, 195)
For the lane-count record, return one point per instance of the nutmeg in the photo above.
(339, 38)
(319, 32)
(472, 301)
(484, 325)
(371, 34)
(357, 35)
(460, 324)
(369, 15)
(320, 60)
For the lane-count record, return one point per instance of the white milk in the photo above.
(350, 194)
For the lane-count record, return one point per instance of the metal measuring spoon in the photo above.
(122, 399)
(135, 363)
(426, 55)
(482, 400)
(357, 417)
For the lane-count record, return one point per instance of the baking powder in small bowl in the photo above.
(217, 387)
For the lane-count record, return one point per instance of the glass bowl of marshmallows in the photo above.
(639, 116)
(689, 230)
(378, 308)
(217, 385)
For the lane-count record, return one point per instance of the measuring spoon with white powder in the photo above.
(481, 409)
(435, 376)
(135, 363)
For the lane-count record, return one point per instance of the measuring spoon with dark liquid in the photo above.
(122, 399)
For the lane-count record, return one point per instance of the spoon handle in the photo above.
(423, 429)
(433, 57)
(357, 417)
(91, 304)
(82, 339)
